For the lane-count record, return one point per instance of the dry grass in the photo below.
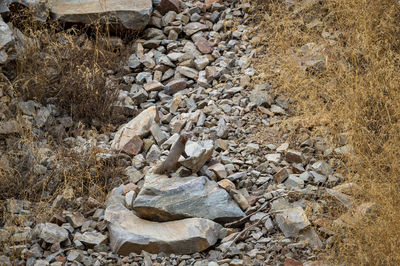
(353, 90)
(72, 68)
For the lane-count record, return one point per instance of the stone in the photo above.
(204, 46)
(170, 5)
(240, 199)
(292, 262)
(133, 147)
(291, 221)
(159, 135)
(129, 198)
(76, 219)
(219, 170)
(281, 176)
(129, 233)
(133, 61)
(274, 157)
(226, 184)
(51, 233)
(187, 72)
(175, 85)
(198, 154)
(132, 15)
(193, 27)
(153, 154)
(167, 199)
(294, 181)
(9, 127)
(6, 35)
(153, 86)
(293, 156)
(261, 98)
(138, 126)
(91, 239)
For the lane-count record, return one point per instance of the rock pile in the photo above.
(202, 189)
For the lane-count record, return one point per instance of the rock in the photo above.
(51, 233)
(175, 85)
(139, 126)
(76, 219)
(159, 135)
(204, 46)
(129, 198)
(187, 72)
(193, 27)
(133, 61)
(153, 86)
(293, 156)
(170, 5)
(274, 157)
(133, 15)
(294, 181)
(6, 35)
(219, 170)
(240, 199)
(153, 154)
(129, 233)
(281, 176)
(198, 154)
(261, 98)
(292, 262)
(226, 184)
(291, 221)
(9, 127)
(133, 146)
(167, 199)
(91, 239)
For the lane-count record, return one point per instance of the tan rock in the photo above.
(226, 184)
(139, 126)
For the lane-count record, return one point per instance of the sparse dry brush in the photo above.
(357, 92)
(68, 67)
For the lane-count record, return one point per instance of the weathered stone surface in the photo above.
(139, 126)
(92, 238)
(129, 233)
(6, 35)
(167, 199)
(170, 5)
(291, 221)
(130, 14)
(9, 127)
(51, 233)
(199, 154)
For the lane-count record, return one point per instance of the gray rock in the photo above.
(198, 154)
(167, 199)
(51, 233)
(6, 35)
(92, 239)
(292, 220)
(133, 15)
(129, 233)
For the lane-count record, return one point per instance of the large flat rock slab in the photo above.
(168, 199)
(129, 233)
(130, 14)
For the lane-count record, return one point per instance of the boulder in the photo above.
(129, 233)
(138, 126)
(166, 199)
(292, 221)
(130, 14)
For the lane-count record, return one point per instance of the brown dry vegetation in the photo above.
(357, 93)
(75, 70)
(71, 68)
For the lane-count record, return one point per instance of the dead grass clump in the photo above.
(68, 67)
(340, 61)
(79, 173)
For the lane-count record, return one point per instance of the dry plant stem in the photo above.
(248, 228)
(260, 209)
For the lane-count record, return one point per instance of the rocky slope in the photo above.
(229, 194)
